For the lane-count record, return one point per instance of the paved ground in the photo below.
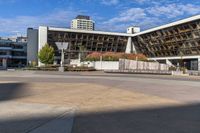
(18, 117)
(98, 103)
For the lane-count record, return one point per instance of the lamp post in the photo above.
(62, 46)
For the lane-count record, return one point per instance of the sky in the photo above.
(110, 15)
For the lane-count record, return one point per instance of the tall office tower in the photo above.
(83, 23)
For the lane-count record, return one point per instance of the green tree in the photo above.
(46, 54)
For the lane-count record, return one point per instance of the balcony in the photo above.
(5, 56)
(20, 50)
(5, 48)
(19, 57)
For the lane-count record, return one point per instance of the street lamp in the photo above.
(62, 46)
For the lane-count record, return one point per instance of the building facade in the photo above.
(92, 41)
(83, 23)
(177, 43)
(13, 52)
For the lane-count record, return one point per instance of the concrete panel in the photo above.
(106, 65)
(42, 39)
(32, 46)
(198, 64)
(4, 63)
(141, 65)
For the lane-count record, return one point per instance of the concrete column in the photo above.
(198, 64)
(169, 62)
(32, 47)
(42, 39)
(4, 62)
(130, 47)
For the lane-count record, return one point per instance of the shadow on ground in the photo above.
(22, 125)
(179, 119)
(10, 91)
(182, 119)
(45, 124)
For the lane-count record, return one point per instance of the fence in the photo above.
(125, 64)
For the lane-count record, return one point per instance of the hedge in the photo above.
(113, 56)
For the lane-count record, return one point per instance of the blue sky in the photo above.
(110, 15)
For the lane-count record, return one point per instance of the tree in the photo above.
(46, 54)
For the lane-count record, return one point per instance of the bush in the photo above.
(81, 68)
(42, 68)
(184, 69)
(55, 68)
(95, 56)
(46, 54)
(172, 68)
(112, 56)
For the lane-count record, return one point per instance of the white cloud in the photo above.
(127, 16)
(147, 16)
(150, 16)
(110, 2)
(21, 23)
(174, 10)
(190, 9)
(130, 17)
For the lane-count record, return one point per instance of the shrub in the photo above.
(94, 56)
(81, 68)
(46, 55)
(112, 56)
(172, 68)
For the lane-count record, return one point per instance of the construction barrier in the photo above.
(125, 64)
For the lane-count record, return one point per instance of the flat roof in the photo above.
(89, 32)
(193, 18)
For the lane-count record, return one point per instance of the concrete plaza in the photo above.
(94, 102)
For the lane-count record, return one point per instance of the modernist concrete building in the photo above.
(177, 43)
(83, 23)
(91, 40)
(13, 52)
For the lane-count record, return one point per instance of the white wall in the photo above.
(106, 65)
(126, 64)
(42, 39)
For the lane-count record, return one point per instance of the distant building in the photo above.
(13, 52)
(83, 23)
(133, 30)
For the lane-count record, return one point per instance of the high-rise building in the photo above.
(83, 23)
